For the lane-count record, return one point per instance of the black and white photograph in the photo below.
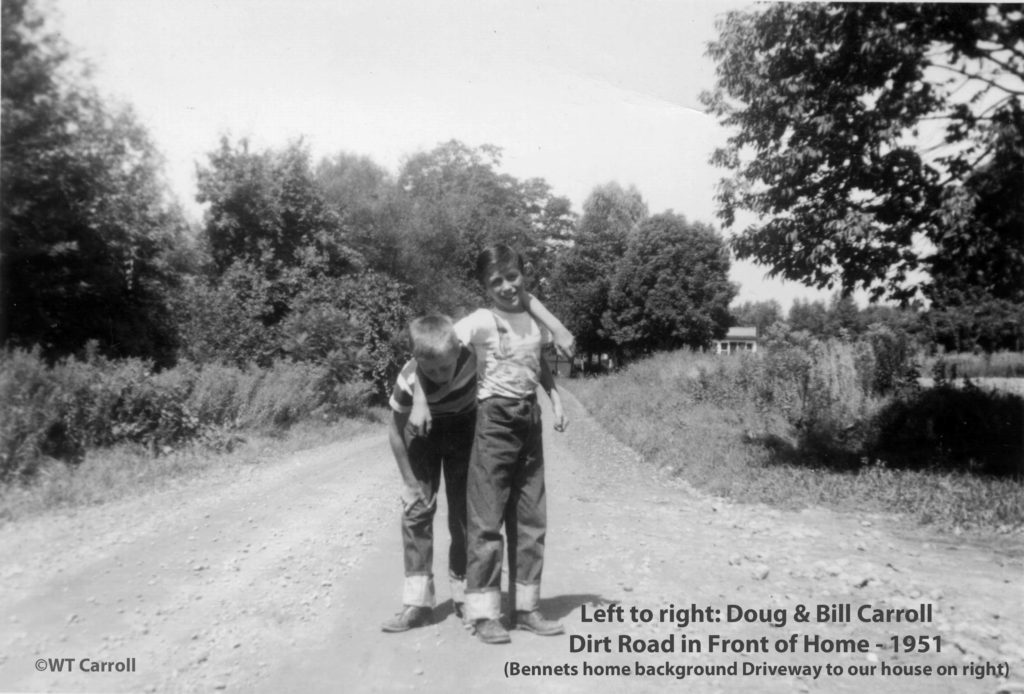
(382, 346)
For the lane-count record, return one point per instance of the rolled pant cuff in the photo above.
(458, 588)
(418, 590)
(527, 597)
(483, 605)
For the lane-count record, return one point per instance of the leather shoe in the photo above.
(410, 617)
(535, 622)
(491, 631)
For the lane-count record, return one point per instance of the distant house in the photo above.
(739, 339)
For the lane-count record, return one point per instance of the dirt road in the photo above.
(276, 578)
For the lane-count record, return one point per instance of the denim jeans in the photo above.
(506, 472)
(446, 449)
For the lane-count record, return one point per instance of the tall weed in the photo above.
(830, 423)
(984, 365)
(823, 391)
(28, 418)
(61, 411)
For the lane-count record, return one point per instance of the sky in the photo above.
(579, 93)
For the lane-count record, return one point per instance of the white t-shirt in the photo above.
(507, 349)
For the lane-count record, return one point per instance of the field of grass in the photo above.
(968, 365)
(805, 439)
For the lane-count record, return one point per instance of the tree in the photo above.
(843, 319)
(230, 318)
(759, 314)
(977, 321)
(583, 274)
(458, 203)
(898, 320)
(88, 233)
(981, 244)
(369, 208)
(832, 107)
(809, 316)
(355, 324)
(267, 210)
(672, 287)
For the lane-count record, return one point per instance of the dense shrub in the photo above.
(953, 428)
(744, 427)
(28, 419)
(821, 389)
(351, 324)
(230, 319)
(60, 411)
(846, 403)
(369, 313)
(894, 367)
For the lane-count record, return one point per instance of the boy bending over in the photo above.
(446, 374)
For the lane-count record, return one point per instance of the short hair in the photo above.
(433, 337)
(498, 255)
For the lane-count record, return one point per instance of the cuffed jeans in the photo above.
(447, 448)
(507, 467)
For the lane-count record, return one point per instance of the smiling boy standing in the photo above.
(508, 455)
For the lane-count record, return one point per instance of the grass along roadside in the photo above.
(968, 365)
(122, 471)
(650, 407)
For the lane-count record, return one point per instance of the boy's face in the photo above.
(504, 287)
(441, 370)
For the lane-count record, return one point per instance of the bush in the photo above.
(822, 389)
(29, 422)
(773, 427)
(230, 319)
(894, 368)
(352, 323)
(60, 411)
(954, 428)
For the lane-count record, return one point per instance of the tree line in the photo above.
(326, 261)
(298, 259)
(949, 330)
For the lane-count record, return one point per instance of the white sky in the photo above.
(576, 92)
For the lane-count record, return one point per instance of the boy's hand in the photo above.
(419, 419)
(411, 493)
(561, 421)
(565, 343)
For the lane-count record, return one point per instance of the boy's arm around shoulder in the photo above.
(547, 382)
(565, 343)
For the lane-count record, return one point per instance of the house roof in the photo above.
(742, 333)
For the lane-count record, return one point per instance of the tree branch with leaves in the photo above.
(828, 106)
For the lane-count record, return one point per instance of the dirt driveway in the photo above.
(276, 578)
